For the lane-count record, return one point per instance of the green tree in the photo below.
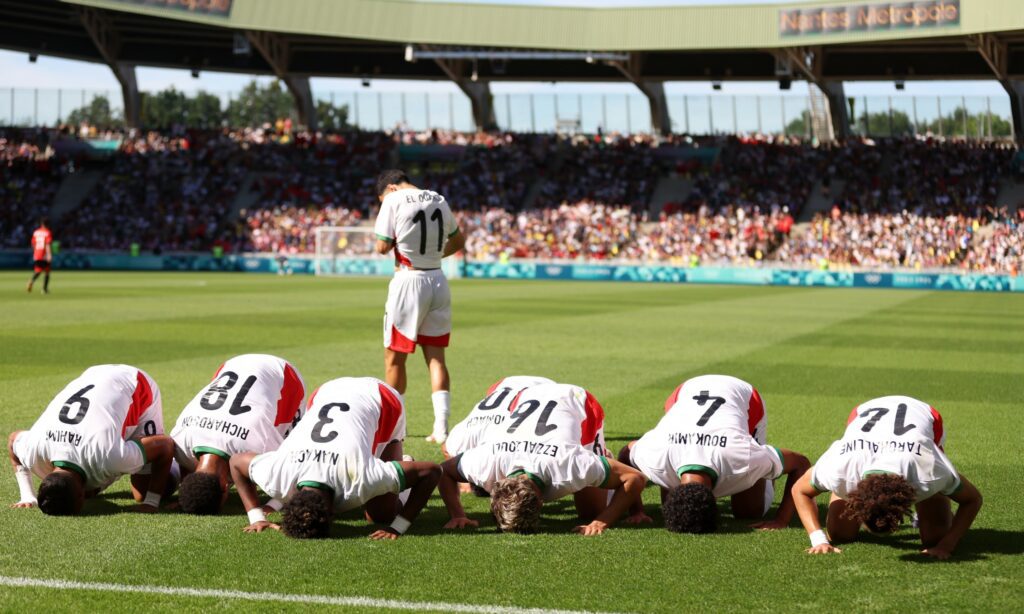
(256, 105)
(169, 107)
(96, 113)
(881, 124)
(330, 117)
(977, 124)
(800, 126)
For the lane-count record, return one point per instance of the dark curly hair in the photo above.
(307, 515)
(59, 494)
(880, 502)
(201, 493)
(392, 176)
(690, 508)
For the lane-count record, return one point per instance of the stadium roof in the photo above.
(368, 37)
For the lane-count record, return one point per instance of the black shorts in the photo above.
(40, 265)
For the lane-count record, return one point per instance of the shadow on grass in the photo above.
(103, 505)
(977, 545)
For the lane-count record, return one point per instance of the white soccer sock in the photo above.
(442, 409)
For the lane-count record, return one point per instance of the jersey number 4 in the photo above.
(421, 219)
(217, 394)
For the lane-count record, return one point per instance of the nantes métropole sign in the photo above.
(216, 8)
(869, 17)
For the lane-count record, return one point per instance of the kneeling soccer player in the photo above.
(545, 453)
(711, 444)
(342, 454)
(250, 405)
(106, 423)
(890, 459)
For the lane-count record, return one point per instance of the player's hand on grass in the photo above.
(594, 528)
(769, 525)
(936, 552)
(259, 527)
(380, 534)
(639, 518)
(23, 504)
(823, 549)
(461, 523)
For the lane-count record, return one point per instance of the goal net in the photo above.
(348, 250)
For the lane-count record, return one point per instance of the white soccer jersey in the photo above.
(337, 443)
(91, 426)
(249, 406)
(487, 417)
(922, 462)
(552, 413)
(716, 402)
(559, 469)
(895, 417)
(419, 222)
(711, 424)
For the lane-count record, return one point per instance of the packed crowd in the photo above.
(896, 204)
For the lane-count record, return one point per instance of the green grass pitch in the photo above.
(813, 354)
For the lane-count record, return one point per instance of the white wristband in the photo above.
(818, 538)
(275, 504)
(152, 499)
(400, 524)
(24, 477)
(256, 515)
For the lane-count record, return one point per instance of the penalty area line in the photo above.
(366, 602)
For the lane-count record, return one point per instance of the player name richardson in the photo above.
(64, 437)
(530, 447)
(314, 456)
(912, 447)
(699, 439)
(212, 424)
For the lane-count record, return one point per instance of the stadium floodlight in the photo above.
(32, 57)
(365, 80)
(900, 84)
(195, 73)
(516, 54)
(716, 85)
(410, 53)
(785, 83)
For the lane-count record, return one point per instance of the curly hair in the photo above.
(306, 515)
(59, 494)
(516, 505)
(201, 493)
(690, 508)
(391, 176)
(880, 502)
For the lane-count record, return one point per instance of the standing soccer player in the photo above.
(42, 256)
(419, 227)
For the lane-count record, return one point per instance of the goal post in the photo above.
(348, 250)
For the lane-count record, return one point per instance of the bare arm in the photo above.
(384, 246)
(448, 486)
(968, 500)
(159, 450)
(455, 243)
(247, 490)
(629, 485)
(804, 494)
(422, 478)
(794, 465)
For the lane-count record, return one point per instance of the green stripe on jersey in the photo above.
(401, 475)
(383, 238)
(699, 469)
(142, 449)
(72, 467)
(200, 450)
(316, 485)
(607, 471)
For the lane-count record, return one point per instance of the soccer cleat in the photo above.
(29, 288)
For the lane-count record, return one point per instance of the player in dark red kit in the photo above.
(42, 256)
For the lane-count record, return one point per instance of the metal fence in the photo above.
(716, 113)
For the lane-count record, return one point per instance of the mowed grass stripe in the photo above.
(632, 344)
(264, 597)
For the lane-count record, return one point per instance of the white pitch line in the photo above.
(367, 602)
